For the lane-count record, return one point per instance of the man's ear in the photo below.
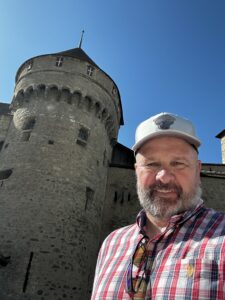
(199, 166)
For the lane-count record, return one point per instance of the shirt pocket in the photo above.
(190, 279)
(197, 269)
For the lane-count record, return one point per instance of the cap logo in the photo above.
(164, 121)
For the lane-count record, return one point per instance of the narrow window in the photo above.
(128, 198)
(29, 65)
(59, 61)
(115, 197)
(1, 145)
(83, 135)
(89, 197)
(90, 70)
(114, 90)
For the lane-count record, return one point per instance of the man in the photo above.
(176, 249)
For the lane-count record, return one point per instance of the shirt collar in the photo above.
(175, 220)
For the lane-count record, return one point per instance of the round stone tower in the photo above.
(53, 175)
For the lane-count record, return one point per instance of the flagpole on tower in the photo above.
(81, 39)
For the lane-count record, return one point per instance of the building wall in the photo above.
(213, 183)
(4, 125)
(213, 192)
(121, 203)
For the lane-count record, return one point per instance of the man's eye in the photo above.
(152, 165)
(178, 164)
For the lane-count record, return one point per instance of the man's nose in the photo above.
(165, 175)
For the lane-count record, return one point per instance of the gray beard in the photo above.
(163, 208)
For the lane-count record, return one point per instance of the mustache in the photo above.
(166, 187)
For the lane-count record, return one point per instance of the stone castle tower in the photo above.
(66, 116)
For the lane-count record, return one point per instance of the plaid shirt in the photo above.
(188, 258)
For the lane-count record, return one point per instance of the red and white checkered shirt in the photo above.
(188, 259)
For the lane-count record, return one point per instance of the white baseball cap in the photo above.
(165, 124)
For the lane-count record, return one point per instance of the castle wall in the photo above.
(121, 203)
(213, 192)
(4, 124)
(59, 145)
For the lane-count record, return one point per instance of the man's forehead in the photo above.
(157, 157)
(168, 147)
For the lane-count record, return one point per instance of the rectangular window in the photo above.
(114, 90)
(83, 135)
(29, 65)
(59, 61)
(90, 70)
(89, 197)
(1, 145)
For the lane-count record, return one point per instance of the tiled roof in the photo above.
(77, 53)
(221, 134)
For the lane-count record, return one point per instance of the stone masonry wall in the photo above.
(121, 203)
(4, 125)
(213, 192)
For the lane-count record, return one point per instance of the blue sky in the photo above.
(164, 55)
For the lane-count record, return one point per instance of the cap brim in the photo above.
(173, 133)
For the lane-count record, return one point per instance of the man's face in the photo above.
(168, 176)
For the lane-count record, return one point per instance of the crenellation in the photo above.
(65, 95)
(76, 98)
(104, 114)
(52, 93)
(41, 91)
(97, 109)
(19, 99)
(109, 123)
(88, 103)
